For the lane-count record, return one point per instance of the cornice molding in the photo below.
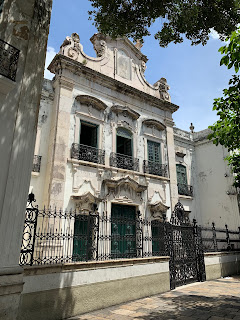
(154, 123)
(125, 110)
(89, 100)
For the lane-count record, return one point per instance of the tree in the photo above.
(194, 18)
(226, 131)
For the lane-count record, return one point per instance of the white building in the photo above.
(106, 138)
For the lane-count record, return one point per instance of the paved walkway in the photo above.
(213, 300)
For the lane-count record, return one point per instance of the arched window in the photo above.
(124, 142)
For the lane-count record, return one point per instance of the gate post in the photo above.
(199, 252)
(29, 232)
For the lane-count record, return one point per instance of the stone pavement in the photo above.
(213, 300)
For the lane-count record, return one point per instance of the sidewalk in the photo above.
(213, 300)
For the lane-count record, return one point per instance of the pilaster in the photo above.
(61, 148)
(171, 163)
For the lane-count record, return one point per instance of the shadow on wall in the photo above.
(53, 304)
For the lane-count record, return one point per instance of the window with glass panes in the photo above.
(124, 142)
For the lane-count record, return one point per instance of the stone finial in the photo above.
(99, 44)
(191, 127)
(138, 44)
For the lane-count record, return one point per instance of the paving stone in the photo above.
(212, 300)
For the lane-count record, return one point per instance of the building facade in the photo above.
(106, 141)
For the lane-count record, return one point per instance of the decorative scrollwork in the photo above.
(155, 168)
(124, 162)
(87, 153)
(9, 56)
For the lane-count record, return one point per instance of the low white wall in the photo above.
(221, 264)
(61, 291)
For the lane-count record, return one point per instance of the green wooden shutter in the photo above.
(181, 174)
(154, 152)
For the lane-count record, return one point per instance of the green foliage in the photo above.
(226, 131)
(194, 18)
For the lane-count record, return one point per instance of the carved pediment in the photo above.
(158, 209)
(113, 184)
(125, 111)
(86, 201)
(154, 123)
(91, 101)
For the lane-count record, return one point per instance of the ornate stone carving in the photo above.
(99, 44)
(86, 202)
(143, 66)
(71, 46)
(125, 111)
(163, 89)
(154, 123)
(158, 209)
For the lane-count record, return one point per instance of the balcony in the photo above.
(36, 163)
(87, 153)
(185, 190)
(155, 168)
(123, 161)
(8, 60)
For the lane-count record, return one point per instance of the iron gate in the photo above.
(184, 246)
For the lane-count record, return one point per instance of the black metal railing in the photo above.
(36, 163)
(9, 56)
(87, 153)
(215, 239)
(185, 190)
(155, 168)
(123, 161)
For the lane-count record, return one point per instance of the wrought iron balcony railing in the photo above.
(36, 163)
(124, 162)
(155, 168)
(87, 153)
(185, 190)
(8, 60)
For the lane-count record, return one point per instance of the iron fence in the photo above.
(53, 236)
(9, 56)
(185, 189)
(155, 168)
(87, 153)
(123, 161)
(216, 239)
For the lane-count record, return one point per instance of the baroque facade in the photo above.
(106, 141)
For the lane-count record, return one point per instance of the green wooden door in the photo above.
(123, 231)
(80, 240)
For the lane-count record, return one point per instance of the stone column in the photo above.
(24, 24)
(171, 163)
(60, 138)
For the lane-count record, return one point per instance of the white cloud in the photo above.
(214, 34)
(49, 57)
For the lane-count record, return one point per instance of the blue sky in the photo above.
(193, 72)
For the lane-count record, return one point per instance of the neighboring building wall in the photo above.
(216, 199)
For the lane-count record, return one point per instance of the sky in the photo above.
(193, 72)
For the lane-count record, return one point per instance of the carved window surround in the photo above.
(125, 111)
(158, 209)
(86, 202)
